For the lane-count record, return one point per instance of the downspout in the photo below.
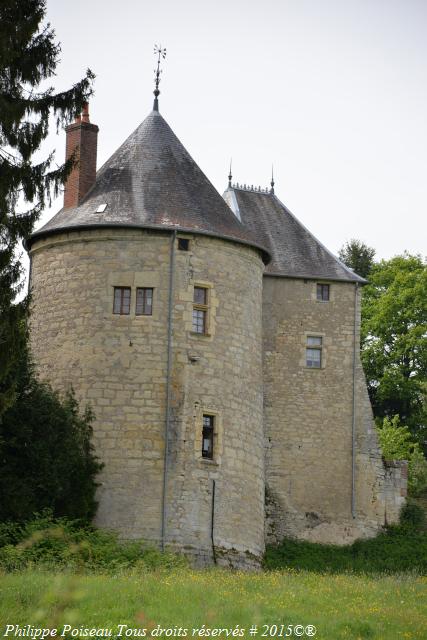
(353, 425)
(213, 522)
(168, 384)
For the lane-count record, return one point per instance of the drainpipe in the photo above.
(168, 384)
(353, 425)
(213, 521)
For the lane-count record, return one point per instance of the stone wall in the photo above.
(309, 420)
(118, 363)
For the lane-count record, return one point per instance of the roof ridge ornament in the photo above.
(230, 175)
(160, 53)
(272, 181)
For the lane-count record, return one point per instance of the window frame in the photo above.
(201, 307)
(144, 301)
(314, 347)
(183, 244)
(323, 286)
(210, 452)
(122, 312)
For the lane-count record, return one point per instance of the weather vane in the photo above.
(160, 53)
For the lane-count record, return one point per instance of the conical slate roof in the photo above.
(151, 181)
(294, 250)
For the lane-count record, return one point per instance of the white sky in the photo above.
(333, 92)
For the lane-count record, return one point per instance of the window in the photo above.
(200, 309)
(323, 292)
(121, 303)
(144, 301)
(208, 437)
(313, 352)
(183, 244)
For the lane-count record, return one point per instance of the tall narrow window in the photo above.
(314, 352)
(121, 303)
(323, 292)
(208, 437)
(144, 301)
(200, 309)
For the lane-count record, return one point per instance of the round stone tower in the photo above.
(146, 299)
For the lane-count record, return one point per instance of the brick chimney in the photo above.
(83, 135)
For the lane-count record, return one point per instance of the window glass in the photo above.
(144, 301)
(313, 358)
(208, 437)
(199, 320)
(200, 310)
(121, 304)
(200, 295)
(323, 292)
(313, 352)
(183, 244)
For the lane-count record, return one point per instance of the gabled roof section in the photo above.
(295, 251)
(151, 181)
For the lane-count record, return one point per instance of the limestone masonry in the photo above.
(218, 343)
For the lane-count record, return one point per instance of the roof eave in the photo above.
(38, 235)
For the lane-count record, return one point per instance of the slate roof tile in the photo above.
(295, 251)
(152, 181)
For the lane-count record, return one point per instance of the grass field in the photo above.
(340, 606)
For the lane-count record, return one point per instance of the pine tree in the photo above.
(28, 57)
(357, 256)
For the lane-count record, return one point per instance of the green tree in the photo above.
(28, 58)
(358, 256)
(394, 340)
(397, 443)
(46, 456)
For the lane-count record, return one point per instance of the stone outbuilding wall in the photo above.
(311, 490)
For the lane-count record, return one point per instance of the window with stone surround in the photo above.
(322, 292)
(121, 304)
(313, 352)
(144, 301)
(184, 244)
(200, 309)
(208, 436)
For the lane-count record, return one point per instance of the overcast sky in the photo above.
(333, 92)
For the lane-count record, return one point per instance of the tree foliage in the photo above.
(397, 443)
(28, 58)
(46, 455)
(394, 340)
(357, 256)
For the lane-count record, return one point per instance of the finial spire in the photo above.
(160, 53)
(230, 175)
(272, 180)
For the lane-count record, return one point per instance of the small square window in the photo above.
(183, 244)
(208, 437)
(323, 292)
(144, 301)
(121, 304)
(313, 352)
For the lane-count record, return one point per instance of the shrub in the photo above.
(56, 543)
(397, 443)
(46, 454)
(398, 548)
